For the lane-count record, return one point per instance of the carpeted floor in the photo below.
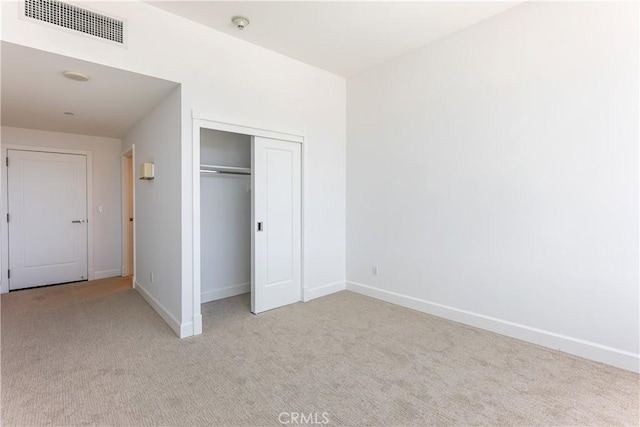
(97, 354)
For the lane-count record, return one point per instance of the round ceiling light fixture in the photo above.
(75, 75)
(240, 22)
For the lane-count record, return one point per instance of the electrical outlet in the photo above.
(151, 277)
(374, 270)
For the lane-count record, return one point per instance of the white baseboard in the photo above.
(187, 330)
(589, 350)
(180, 330)
(320, 291)
(197, 325)
(243, 288)
(229, 291)
(103, 274)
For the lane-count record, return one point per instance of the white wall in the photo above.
(156, 138)
(493, 178)
(225, 200)
(232, 81)
(107, 242)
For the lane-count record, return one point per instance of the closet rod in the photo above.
(230, 170)
(212, 172)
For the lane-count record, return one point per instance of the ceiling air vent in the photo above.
(75, 18)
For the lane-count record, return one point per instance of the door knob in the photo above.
(78, 221)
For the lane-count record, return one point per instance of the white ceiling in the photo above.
(35, 94)
(342, 37)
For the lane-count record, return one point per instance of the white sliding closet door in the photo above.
(277, 225)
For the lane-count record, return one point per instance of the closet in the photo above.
(225, 218)
(250, 219)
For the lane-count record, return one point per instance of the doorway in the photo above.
(47, 218)
(272, 197)
(128, 218)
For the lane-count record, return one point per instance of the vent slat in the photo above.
(75, 18)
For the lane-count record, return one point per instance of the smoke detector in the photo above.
(240, 22)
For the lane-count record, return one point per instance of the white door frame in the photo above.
(124, 156)
(202, 122)
(4, 228)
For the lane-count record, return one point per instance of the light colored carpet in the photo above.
(97, 354)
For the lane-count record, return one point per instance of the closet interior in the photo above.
(225, 214)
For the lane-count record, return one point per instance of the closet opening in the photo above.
(247, 205)
(225, 214)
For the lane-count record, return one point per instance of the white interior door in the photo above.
(276, 218)
(47, 206)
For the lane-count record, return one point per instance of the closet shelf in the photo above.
(228, 170)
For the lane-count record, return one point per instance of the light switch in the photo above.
(100, 208)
